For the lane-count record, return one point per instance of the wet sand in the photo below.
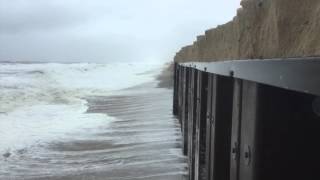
(143, 141)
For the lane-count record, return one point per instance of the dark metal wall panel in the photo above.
(248, 146)
(287, 135)
(185, 109)
(197, 125)
(209, 119)
(175, 89)
(203, 126)
(276, 114)
(200, 140)
(242, 130)
(236, 130)
(181, 90)
(278, 129)
(221, 128)
(182, 82)
(192, 122)
(179, 93)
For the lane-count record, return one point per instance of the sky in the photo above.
(105, 30)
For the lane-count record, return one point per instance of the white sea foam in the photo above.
(44, 102)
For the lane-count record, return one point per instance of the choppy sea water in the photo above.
(87, 121)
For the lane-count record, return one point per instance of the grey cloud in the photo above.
(35, 15)
(105, 30)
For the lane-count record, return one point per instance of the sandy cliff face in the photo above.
(261, 29)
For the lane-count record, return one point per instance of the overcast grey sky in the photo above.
(105, 30)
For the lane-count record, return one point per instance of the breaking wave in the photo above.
(40, 103)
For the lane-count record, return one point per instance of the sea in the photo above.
(47, 130)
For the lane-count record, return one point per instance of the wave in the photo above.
(45, 102)
(25, 84)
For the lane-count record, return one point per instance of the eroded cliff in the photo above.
(261, 29)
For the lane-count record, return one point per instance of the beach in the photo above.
(135, 137)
